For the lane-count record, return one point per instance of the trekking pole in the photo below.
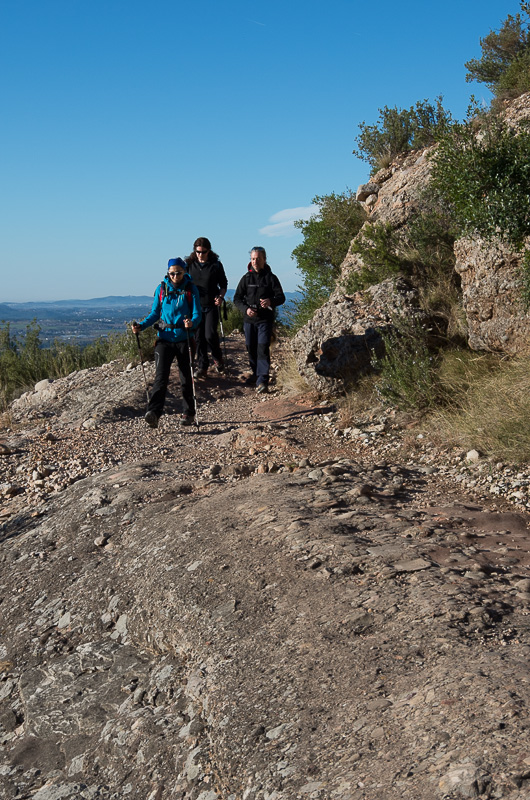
(223, 334)
(192, 378)
(142, 364)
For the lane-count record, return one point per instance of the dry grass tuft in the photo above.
(289, 378)
(358, 400)
(492, 408)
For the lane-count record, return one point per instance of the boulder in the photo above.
(338, 345)
(366, 190)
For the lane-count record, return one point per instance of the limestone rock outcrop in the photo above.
(337, 341)
(342, 338)
(337, 345)
(491, 287)
(490, 272)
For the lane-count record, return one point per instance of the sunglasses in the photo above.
(173, 274)
(202, 252)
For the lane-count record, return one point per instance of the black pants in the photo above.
(165, 352)
(207, 337)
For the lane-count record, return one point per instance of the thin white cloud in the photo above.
(282, 221)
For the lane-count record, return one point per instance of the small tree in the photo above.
(505, 61)
(327, 237)
(401, 130)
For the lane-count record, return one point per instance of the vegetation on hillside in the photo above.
(480, 170)
(327, 237)
(24, 362)
(399, 131)
(505, 62)
(422, 252)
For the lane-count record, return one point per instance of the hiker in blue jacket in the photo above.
(176, 315)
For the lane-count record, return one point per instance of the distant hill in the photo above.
(106, 302)
(96, 302)
(59, 309)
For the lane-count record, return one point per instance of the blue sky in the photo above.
(130, 128)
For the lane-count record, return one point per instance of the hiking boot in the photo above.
(262, 388)
(151, 419)
(250, 381)
(219, 366)
(187, 419)
(200, 373)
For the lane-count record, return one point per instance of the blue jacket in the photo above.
(173, 309)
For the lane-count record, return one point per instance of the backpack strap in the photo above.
(164, 291)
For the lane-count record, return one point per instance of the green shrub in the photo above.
(429, 239)
(327, 237)
(407, 370)
(483, 175)
(423, 252)
(481, 169)
(400, 131)
(414, 377)
(378, 246)
(428, 252)
(234, 319)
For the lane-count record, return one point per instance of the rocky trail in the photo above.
(268, 608)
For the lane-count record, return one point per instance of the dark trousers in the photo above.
(258, 339)
(207, 337)
(165, 352)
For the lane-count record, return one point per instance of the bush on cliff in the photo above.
(482, 174)
(327, 237)
(480, 169)
(423, 252)
(400, 131)
(505, 62)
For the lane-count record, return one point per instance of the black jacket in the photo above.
(210, 280)
(256, 286)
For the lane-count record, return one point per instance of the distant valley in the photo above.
(83, 321)
(76, 321)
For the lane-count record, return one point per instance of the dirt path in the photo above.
(259, 610)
